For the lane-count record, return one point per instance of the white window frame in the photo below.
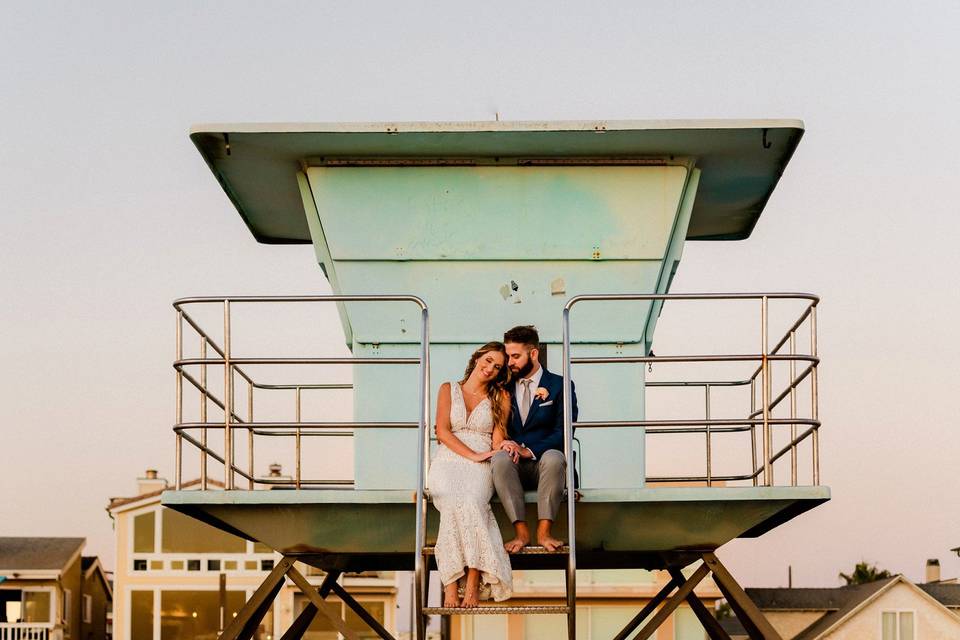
(65, 610)
(898, 613)
(54, 601)
(87, 608)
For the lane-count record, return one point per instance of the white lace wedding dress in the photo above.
(461, 490)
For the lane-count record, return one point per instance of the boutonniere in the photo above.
(541, 394)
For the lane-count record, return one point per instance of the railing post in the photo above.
(250, 433)
(423, 452)
(765, 389)
(706, 396)
(298, 440)
(753, 428)
(203, 414)
(571, 488)
(814, 401)
(178, 472)
(793, 409)
(227, 402)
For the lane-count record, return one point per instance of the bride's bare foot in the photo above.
(544, 537)
(521, 540)
(451, 599)
(471, 592)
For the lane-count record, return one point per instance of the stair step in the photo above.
(495, 610)
(528, 550)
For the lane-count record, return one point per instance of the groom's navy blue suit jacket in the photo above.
(543, 428)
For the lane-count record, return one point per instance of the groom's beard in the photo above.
(524, 371)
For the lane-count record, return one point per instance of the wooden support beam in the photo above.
(706, 618)
(673, 602)
(248, 618)
(647, 609)
(302, 623)
(750, 616)
(323, 608)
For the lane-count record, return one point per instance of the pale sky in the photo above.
(108, 213)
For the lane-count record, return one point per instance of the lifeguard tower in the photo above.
(435, 238)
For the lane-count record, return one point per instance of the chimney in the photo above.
(275, 470)
(150, 482)
(933, 570)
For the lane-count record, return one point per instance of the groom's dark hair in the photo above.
(523, 334)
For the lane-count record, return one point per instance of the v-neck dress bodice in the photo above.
(461, 490)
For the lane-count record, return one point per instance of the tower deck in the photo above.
(354, 530)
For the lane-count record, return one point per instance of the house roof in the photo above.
(840, 603)
(38, 554)
(91, 566)
(946, 594)
(857, 596)
(829, 599)
(119, 502)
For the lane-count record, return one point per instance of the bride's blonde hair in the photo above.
(497, 387)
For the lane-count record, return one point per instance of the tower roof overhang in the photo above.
(741, 161)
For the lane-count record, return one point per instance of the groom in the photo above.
(533, 456)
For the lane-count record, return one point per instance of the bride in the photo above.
(471, 424)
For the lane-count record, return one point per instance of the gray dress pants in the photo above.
(546, 474)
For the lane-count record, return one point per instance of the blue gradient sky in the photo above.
(107, 213)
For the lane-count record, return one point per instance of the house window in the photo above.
(144, 532)
(67, 601)
(26, 605)
(195, 614)
(266, 565)
(183, 534)
(87, 609)
(897, 625)
(141, 614)
(213, 565)
(139, 565)
(193, 565)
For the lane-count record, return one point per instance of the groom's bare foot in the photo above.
(521, 540)
(545, 538)
(451, 598)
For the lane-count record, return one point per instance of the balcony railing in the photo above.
(194, 372)
(759, 420)
(30, 631)
(777, 419)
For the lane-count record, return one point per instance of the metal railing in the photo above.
(760, 413)
(194, 371)
(709, 426)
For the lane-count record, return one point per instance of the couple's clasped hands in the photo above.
(514, 450)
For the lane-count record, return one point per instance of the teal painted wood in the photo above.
(488, 248)
(497, 213)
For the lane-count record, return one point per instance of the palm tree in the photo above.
(865, 572)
